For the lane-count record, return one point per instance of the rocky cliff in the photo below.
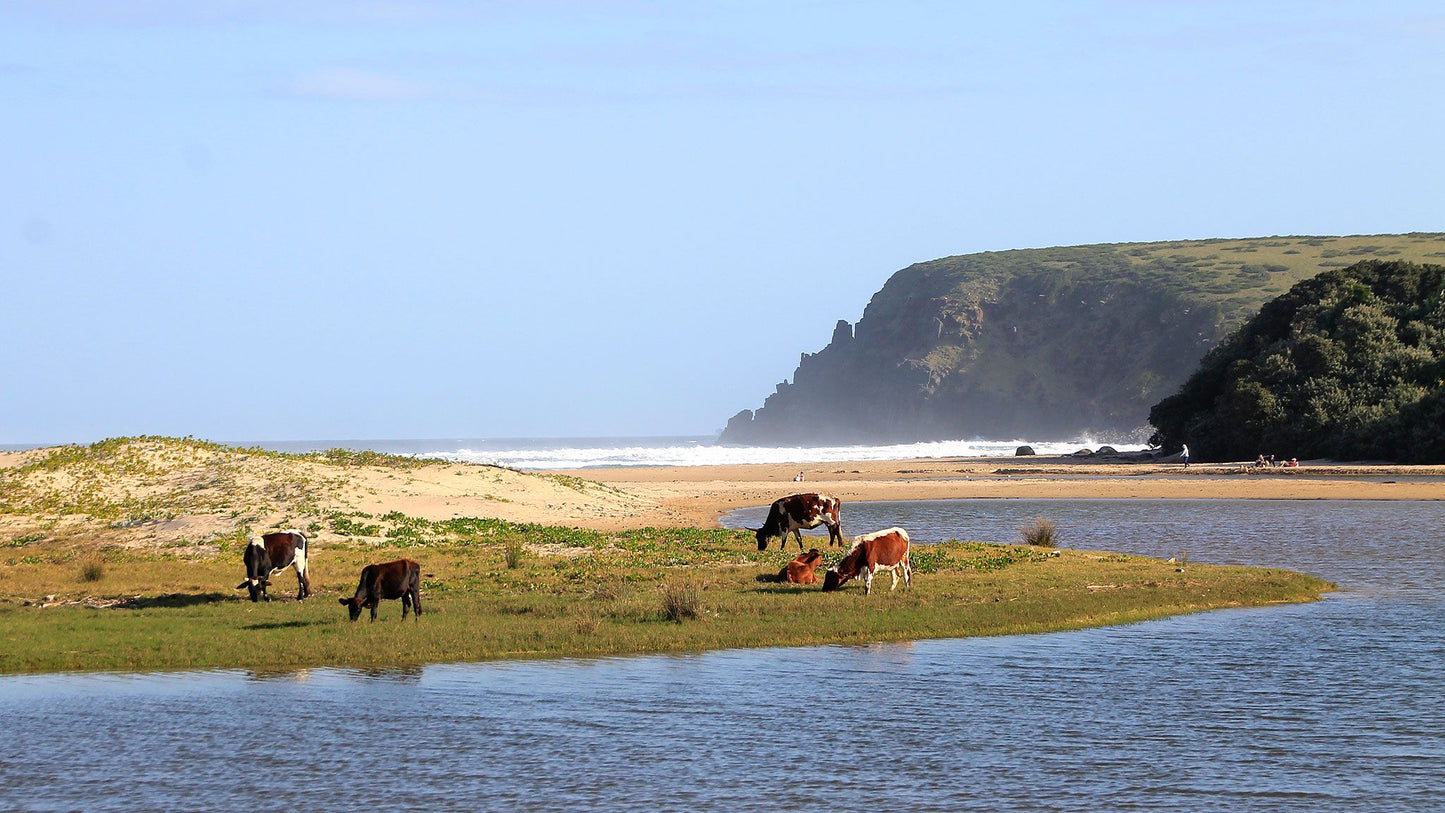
(1040, 343)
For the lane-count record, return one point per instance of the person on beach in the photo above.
(799, 478)
(1184, 455)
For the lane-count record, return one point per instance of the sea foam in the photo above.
(563, 454)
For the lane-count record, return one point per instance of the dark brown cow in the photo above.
(803, 569)
(270, 554)
(880, 550)
(792, 514)
(400, 579)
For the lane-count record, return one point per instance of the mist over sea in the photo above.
(682, 450)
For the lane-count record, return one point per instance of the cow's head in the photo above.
(763, 537)
(831, 581)
(256, 587)
(353, 606)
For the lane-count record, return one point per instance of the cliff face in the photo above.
(1040, 343)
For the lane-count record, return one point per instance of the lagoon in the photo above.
(1326, 706)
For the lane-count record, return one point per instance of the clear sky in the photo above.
(273, 220)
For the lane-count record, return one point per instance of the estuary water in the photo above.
(1333, 705)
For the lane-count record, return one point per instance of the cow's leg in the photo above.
(798, 535)
(303, 579)
(374, 605)
(893, 571)
(405, 603)
(416, 605)
(835, 534)
(867, 580)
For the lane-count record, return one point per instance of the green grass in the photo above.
(652, 590)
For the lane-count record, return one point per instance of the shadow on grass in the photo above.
(777, 588)
(171, 600)
(281, 625)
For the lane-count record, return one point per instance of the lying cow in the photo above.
(880, 550)
(270, 554)
(400, 579)
(792, 514)
(803, 569)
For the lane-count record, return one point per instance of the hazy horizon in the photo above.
(431, 219)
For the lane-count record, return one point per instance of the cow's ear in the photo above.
(242, 584)
(344, 601)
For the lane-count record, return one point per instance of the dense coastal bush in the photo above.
(1347, 365)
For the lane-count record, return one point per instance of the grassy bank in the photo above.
(497, 590)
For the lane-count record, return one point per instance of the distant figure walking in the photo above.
(1184, 455)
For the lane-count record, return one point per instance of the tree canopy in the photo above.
(1348, 365)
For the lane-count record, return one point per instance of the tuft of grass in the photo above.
(514, 552)
(1041, 532)
(681, 601)
(92, 570)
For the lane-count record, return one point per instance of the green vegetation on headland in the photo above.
(644, 591)
(1347, 365)
(1042, 343)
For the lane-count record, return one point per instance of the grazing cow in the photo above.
(400, 579)
(791, 514)
(803, 569)
(880, 550)
(270, 554)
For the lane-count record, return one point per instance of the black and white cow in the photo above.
(270, 554)
(791, 514)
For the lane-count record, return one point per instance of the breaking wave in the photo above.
(608, 453)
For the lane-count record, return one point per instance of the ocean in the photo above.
(680, 450)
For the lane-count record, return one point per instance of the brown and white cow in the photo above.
(792, 514)
(270, 554)
(880, 550)
(400, 579)
(803, 569)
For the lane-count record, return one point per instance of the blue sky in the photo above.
(274, 220)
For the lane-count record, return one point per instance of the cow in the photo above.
(803, 569)
(400, 579)
(270, 554)
(791, 514)
(880, 550)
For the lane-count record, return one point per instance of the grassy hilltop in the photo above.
(125, 555)
(1043, 343)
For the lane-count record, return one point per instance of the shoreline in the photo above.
(700, 495)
